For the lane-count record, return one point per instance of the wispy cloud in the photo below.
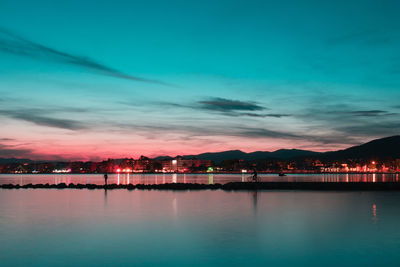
(369, 113)
(23, 151)
(236, 108)
(12, 152)
(371, 128)
(188, 132)
(349, 121)
(263, 132)
(258, 132)
(35, 116)
(14, 44)
(227, 107)
(272, 115)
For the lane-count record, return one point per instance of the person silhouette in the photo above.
(105, 179)
(255, 175)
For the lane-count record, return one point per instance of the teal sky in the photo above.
(98, 79)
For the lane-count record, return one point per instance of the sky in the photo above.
(89, 80)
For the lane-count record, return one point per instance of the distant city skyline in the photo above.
(90, 80)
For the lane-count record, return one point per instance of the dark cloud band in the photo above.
(14, 44)
(33, 116)
(226, 105)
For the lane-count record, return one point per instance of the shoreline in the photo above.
(152, 173)
(232, 186)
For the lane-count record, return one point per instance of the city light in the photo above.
(193, 165)
(62, 171)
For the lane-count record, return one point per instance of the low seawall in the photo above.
(233, 186)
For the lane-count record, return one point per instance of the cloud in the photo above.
(273, 115)
(34, 116)
(262, 132)
(14, 44)
(15, 151)
(369, 113)
(266, 133)
(227, 105)
(236, 108)
(188, 132)
(7, 139)
(372, 128)
(9, 152)
(348, 121)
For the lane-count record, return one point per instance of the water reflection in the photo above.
(105, 197)
(175, 207)
(255, 201)
(211, 178)
(212, 228)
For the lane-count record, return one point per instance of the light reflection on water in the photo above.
(198, 228)
(374, 216)
(187, 178)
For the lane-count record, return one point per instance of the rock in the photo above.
(61, 186)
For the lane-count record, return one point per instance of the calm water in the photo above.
(200, 228)
(187, 178)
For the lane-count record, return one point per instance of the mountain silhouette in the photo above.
(218, 157)
(384, 148)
